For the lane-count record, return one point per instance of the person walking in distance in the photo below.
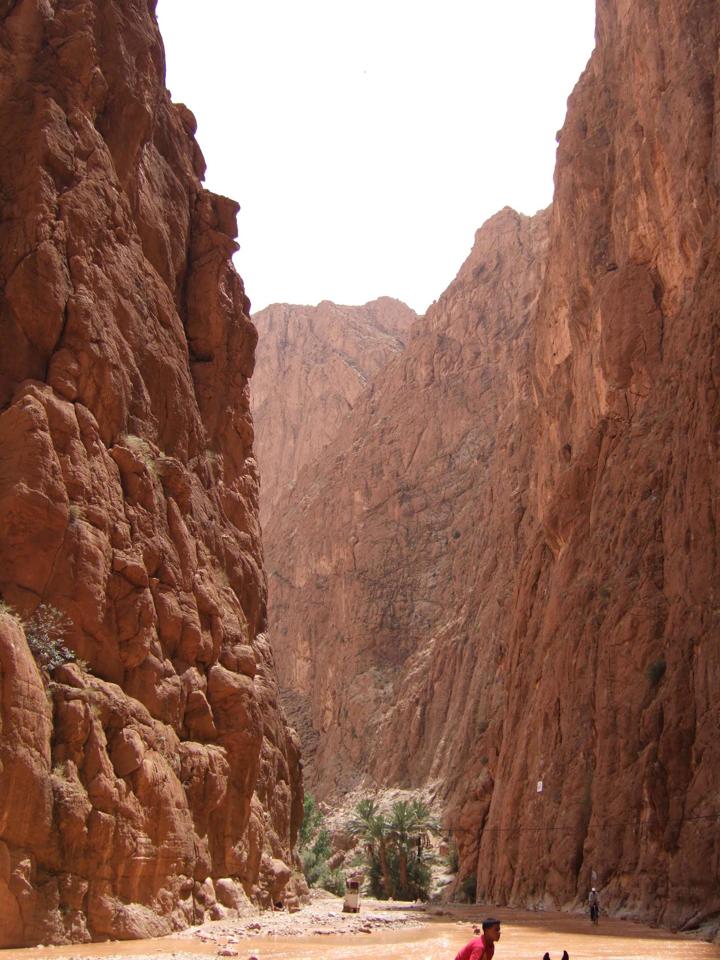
(594, 903)
(482, 948)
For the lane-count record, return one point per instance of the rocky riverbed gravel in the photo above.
(323, 917)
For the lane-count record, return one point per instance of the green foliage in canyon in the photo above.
(395, 844)
(315, 850)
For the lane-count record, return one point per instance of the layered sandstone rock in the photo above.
(161, 783)
(505, 571)
(312, 363)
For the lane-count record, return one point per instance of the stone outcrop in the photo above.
(159, 783)
(312, 363)
(504, 570)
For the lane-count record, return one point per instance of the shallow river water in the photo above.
(525, 936)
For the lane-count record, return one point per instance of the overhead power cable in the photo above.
(560, 828)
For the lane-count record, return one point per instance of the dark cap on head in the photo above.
(490, 922)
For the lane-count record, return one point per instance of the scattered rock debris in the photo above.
(323, 918)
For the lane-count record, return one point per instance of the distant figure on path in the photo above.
(594, 902)
(482, 948)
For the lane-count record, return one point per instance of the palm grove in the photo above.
(392, 848)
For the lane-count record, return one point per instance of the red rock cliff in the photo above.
(162, 782)
(614, 652)
(508, 572)
(382, 560)
(312, 363)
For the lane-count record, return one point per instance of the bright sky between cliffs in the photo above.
(366, 140)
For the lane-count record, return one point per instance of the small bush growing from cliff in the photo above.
(45, 632)
(656, 671)
(75, 512)
(142, 449)
(7, 611)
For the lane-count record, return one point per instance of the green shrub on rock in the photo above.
(45, 632)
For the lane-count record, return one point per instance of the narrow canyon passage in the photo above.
(352, 598)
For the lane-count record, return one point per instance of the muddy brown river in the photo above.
(525, 936)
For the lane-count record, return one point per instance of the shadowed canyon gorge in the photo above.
(489, 533)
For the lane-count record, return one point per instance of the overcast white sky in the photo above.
(366, 140)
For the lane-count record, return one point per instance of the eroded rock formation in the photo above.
(312, 363)
(161, 782)
(504, 569)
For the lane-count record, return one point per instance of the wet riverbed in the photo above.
(525, 936)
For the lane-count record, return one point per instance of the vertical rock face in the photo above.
(312, 363)
(383, 557)
(614, 651)
(129, 499)
(505, 571)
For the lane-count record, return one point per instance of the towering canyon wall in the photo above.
(505, 569)
(312, 363)
(613, 659)
(160, 782)
(382, 556)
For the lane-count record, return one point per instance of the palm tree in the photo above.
(409, 825)
(425, 823)
(370, 827)
(401, 826)
(365, 810)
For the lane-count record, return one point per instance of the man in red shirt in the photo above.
(482, 948)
